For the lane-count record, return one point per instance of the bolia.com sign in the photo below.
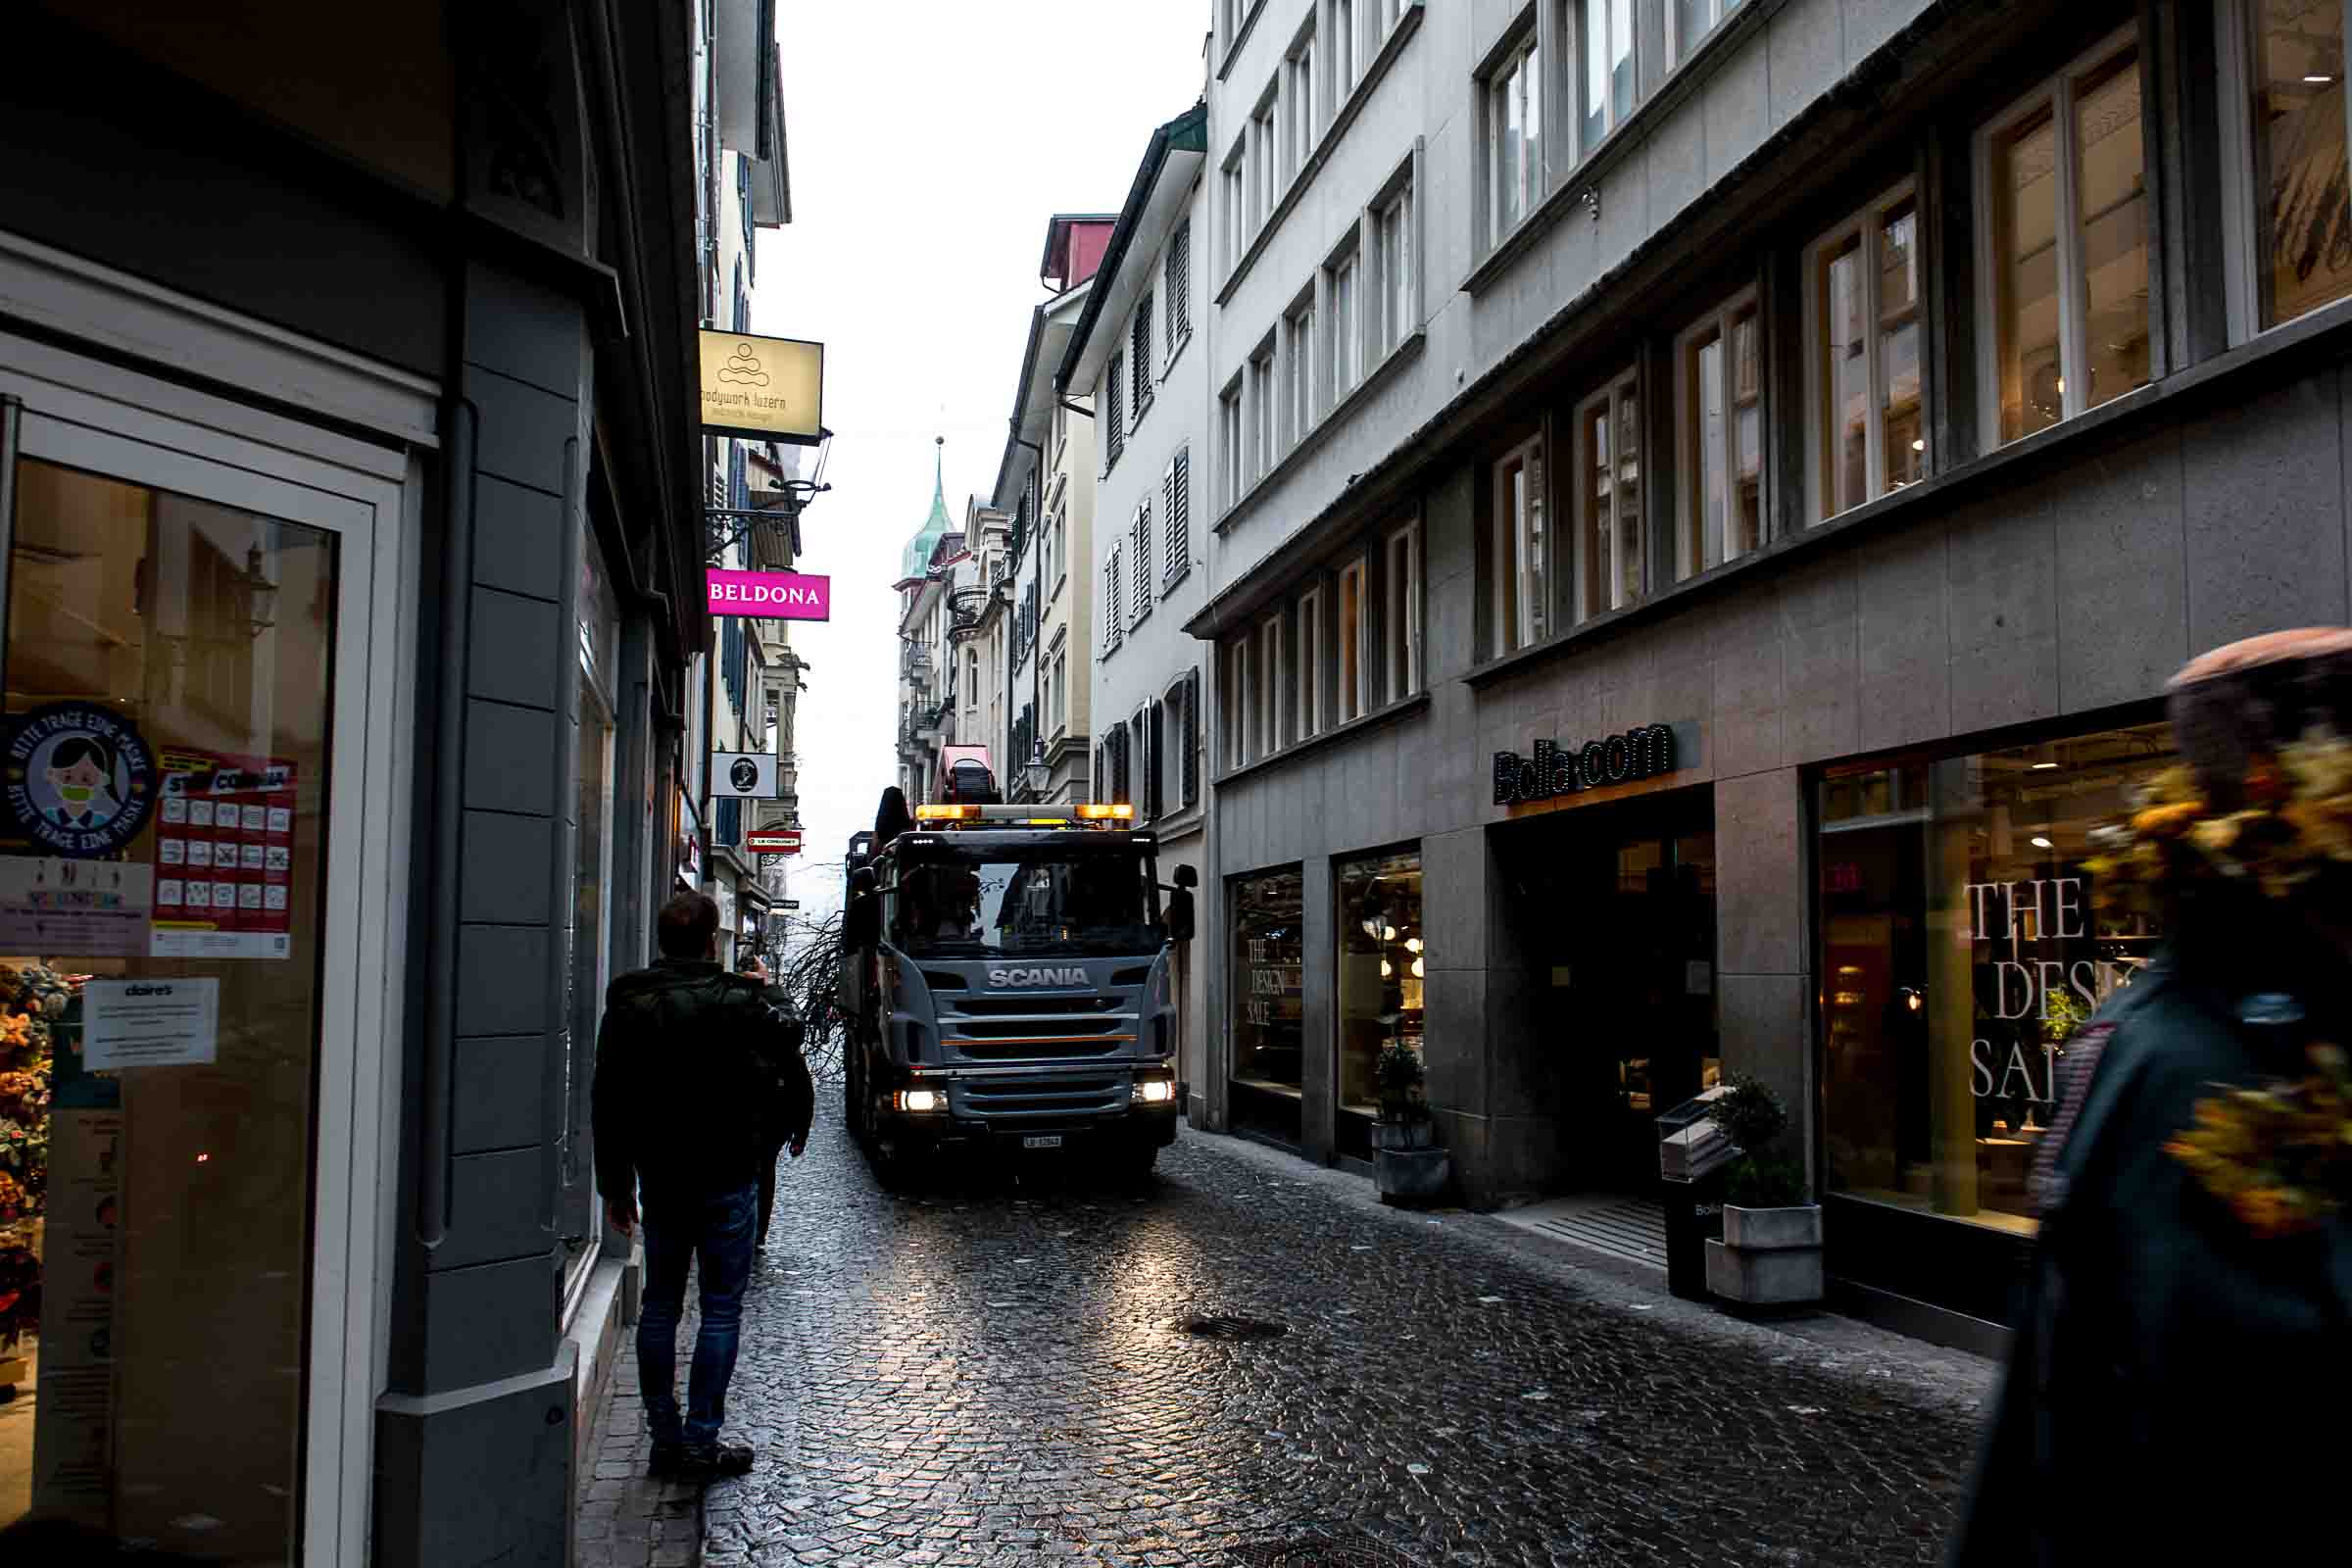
(1643, 752)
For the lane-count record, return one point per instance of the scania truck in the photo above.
(1009, 985)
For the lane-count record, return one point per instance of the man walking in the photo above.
(697, 1077)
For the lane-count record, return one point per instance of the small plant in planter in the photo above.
(1405, 1165)
(1770, 1248)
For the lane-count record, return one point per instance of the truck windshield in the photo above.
(977, 903)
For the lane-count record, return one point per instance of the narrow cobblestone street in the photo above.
(994, 1371)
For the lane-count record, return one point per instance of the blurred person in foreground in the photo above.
(2183, 1364)
(699, 1077)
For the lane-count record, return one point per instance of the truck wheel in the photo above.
(896, 1169)
(1131, 1164)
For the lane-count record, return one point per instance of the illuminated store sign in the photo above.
(1645, 751)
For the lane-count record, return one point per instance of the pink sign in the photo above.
(774, 595)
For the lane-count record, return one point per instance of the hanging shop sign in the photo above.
(1645, 751)
(80, 780)
(763, 388)
(774, 841)
(743, 775)
(773, 595)
(224, 857)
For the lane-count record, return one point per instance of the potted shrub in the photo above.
(1406, 1166)
(1770, 1254)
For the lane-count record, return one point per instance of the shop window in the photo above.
(1311, 664)
(1404, 645)
(1268, 1014)
(2285, 66)
(1353, 637)
(156, 1193)
(1868, 431)
(1719, 378)
(1962, 946)
(1382, 958)
(2065, 245)
(1521, 551)
(1513, 96)
(1610, 570)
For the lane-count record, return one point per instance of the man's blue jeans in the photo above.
(719, 1231)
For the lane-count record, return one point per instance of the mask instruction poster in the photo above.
(91, 909)
(224, 857)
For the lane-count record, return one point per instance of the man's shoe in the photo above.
(713, 1461)
(665, 1460)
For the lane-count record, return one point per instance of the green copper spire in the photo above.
(926, 538)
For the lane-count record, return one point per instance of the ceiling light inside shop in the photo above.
(1386, 968)
(1412, 944)
(2043, 768)
(2041, 842)
(1919, 443)
(2318, 80)
(1416, 968)
(1388, 933)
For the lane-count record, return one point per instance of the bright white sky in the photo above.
(930, 141)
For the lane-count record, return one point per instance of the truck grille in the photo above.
(1025, 1098)
(990, 1007)
(1034, 1028)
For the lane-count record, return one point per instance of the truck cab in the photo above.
(1009, 974)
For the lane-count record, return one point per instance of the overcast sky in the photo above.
(930, 140)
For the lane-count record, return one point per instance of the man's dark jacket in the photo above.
(2177, 1388)
(698, 1079)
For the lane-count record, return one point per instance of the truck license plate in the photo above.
(1048, 1141)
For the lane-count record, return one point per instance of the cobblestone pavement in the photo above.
(992, 1372)
(625, 1518)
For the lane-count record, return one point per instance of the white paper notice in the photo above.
(89, 909)
(150, 1023)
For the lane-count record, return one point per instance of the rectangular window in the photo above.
(1232, 445)
(1139, 357)
(1869, 432)
(2287, 64)
(1609, 83)
(1265, 172)
(1061, 692)
(1299, 91)
(1720, 391)
(1241, 709)
(1962, 944)
(1269, 688)
(1404, 613)
(1382, 960)
(1692, 21)
(1352, 672)
(1342, 50)
(1347, 325)
(1394, 317)
(1298, 371)
(1233, 209)
(1514, 140)
(1522, 550)
(1178, 286)
(1114, 412)
(1611, 572)
(1264, 427)
(1311, 664)
(2064, 245)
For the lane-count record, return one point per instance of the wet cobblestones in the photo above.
(992, 1372)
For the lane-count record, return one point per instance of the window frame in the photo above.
(1268, 691)
(2056, 92)
(1345, 64)
(1355, 695)
(1233, 436)
(1240, 713)
(1233, 191)
(1574, 16)
(1528, 622)
(1302, 390)
(2243, 194)
(1386, 336)
(1867, 226)
(1403, 593)
(1303, 121)
(1262, 407)
(1344, 270)
(1689, 524)
(1308, 608)
(1520, 57)
(1613, 393)
(1265, 156)
(1679, 49)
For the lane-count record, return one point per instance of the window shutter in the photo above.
(1179, 509)
(1155, 769)
(1143, 561)
(1114, 428)
(1139, 361)
(1191, 736)
(1180, 283)
(1126, 787)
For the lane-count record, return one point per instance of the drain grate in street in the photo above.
(1217, 1326)
(1331, 1549)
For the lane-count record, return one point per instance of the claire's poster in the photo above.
(80, 780)
(224, 857)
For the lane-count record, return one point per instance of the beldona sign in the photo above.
(1643, 752)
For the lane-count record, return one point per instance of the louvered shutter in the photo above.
(1180, 510)
(1191, 736)
(1143, 561)
(1126, 767)
(1180, 282)
(1155, 770)
(1140, 355)
(1114, 429)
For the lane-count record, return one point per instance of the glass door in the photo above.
(174, 992)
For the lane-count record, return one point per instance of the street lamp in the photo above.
(724, 526)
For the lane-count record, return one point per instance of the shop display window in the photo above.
(1961, 946)
(1269, 1029)
(1382, 960)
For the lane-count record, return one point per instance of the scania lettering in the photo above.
(1009, 978)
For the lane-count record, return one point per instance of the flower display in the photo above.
(2296, 822)
(31, 997)
(2278, 1155)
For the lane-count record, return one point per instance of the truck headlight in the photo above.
(1153, 1092)
(922, 1101)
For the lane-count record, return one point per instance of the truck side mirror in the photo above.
(862, 920)
(1179, 916)
(1187, 877)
